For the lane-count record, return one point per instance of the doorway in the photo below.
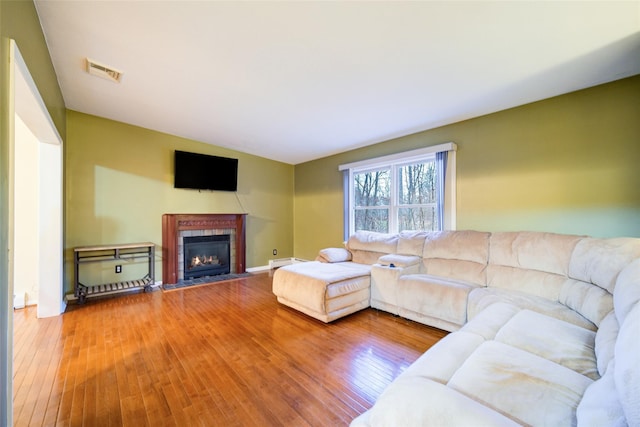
(35, 198)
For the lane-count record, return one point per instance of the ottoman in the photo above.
(325, 291)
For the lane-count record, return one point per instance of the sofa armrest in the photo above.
(400, 261)
(384, 281)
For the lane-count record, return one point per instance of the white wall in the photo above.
(50, 301)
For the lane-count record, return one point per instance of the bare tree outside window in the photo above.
(415, 204)
(372, 196)
(417, 196)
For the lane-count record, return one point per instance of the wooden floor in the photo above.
(221, 354)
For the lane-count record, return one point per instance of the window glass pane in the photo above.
(372, 220)
(417, 184)
(372, 188)
(418, 219)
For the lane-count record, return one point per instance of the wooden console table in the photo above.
(101, 253)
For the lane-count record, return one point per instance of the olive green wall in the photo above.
(568, 164)
(119, 183)
(18, 21)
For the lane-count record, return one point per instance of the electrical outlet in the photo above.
(118, 269)
(275, 252)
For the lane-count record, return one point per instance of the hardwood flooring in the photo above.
(221, 354)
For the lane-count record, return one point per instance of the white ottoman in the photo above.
(325, 291)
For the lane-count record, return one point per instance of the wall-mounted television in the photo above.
(205, 172)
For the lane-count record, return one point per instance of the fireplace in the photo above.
(178, 228)
(206, 256)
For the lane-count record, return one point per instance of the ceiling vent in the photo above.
(97, 69)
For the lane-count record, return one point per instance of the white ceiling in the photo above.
(294, 81)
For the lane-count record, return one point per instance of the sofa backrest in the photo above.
(533, 262)
(460, 255)
(412, 242)
(367, 246)
(594, 269)
(579, 272)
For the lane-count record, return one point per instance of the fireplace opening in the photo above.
(206, 256)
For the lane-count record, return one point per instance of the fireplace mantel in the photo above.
(173, 224)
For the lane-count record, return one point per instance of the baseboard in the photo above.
(275, 263)
(281, 262)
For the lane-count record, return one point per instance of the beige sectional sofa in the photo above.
(546, 327)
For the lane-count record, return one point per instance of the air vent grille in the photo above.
(100, 70)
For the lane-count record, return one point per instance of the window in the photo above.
(406, 191)
(417, 196)
(372, 200)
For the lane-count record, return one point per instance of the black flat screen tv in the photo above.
(204, 172)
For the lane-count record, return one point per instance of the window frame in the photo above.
(393, 163)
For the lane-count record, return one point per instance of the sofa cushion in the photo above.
(418, 401)
(600, 405)
(627, 291)
(436, 296)
(589, 300)
(367, 246)
(569, 345)
(445, 357)
(467, 271)
(488, 322)
(412, 242)
(459, 255)
(599, 261)
(481, 298)
(465, 245)
(373, 242)
(546, 252)
(536, 263)
(534, 282)
(364, 257)
(529, 388)
(334, 255)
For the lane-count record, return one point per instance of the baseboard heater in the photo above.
(281, 262)
(19, 301)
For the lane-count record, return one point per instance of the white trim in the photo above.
(258, 269)
(275, 263)
(405, 155)
(29, 104)
(450, 191)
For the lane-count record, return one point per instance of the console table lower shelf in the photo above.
(124, 252)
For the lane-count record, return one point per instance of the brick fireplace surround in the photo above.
(174, 226)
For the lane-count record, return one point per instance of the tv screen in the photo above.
(204, 172)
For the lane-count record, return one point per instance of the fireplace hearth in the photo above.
(206, 256)
(176, 228)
